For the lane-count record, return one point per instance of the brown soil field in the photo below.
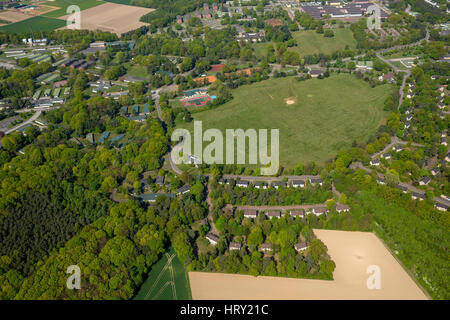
(353, 253)
(13, 15)
(41, 9)
(112, 17)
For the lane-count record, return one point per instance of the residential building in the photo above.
(212, 238)
(297, 213)
(159, 180)
(402, 187)
(342, 208)
(315, 73)
(265, 247)
(315, 181)
(242, 183)
(278, 184)
(249, 213)
(319, 211)
(298, 183)
(418, 195)
(301, 246)
(424, 181)
(260, 185)
(273, 213)
(235, 246)
(184, 189)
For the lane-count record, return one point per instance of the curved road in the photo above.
(30, 120)
(394, 141)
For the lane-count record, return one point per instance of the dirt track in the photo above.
(112, 17)
(352, 252)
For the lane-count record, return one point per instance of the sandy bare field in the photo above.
(112, 17)
(352, 252)
(13, 15)
(42, 8)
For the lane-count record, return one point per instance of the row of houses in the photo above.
(48, 102)
(439, 203)
(275, 184)
(77, 64)
(376, 162)
(250, 36)
(264, 247)
(48, 93)
(317, 210)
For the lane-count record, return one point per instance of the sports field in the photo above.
(196, 102)
(11, 16)
(310, 42)
(167, 280)
(316, 118)
(357, 255)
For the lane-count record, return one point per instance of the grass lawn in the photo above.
(310, 42)
(166, 281)
(64, 4)
(119, 1)
(38, 23)
(327, 115)
(138, 71)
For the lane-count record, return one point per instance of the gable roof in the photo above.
(212, 236)
(184, 188)
(274, 213)
(250, 212)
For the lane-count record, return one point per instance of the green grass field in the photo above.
(167, 280)
(327, 115)
(137, 71)
(64, 4)
(39, 23)
(119, 1)
(310, 42)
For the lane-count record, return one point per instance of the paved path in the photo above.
(30, 120)
(408, 186)
(394, 141)
(335, 191)
(268, 178)
(158, 108)
(287, 207)
(210, 208)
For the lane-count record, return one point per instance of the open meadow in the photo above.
(353, 253)
(64, 4)
(316, 117)
(311, 42)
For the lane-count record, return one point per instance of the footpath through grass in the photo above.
(167, 280)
